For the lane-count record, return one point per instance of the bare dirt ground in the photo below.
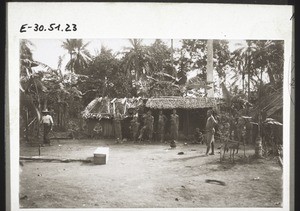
(146, 176)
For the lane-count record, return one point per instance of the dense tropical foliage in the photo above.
(256, 69)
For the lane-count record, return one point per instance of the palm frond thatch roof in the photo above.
(181, 102)
(105, 108)
(196, 83)
(98, 109)
(123, 104)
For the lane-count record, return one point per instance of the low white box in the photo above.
(101, 155)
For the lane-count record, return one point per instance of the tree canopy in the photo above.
(145, 70)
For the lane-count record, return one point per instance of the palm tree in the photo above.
(258, 57)
(79, 55)
(135, 58)
(244, 58)
(222, 57)
(160, 54)
(269, 58)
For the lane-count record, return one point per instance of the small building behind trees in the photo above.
(191, 111)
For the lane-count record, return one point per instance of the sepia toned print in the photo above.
(151, 123)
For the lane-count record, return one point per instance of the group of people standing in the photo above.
(233, 128)
(144, 130)
(238, 129)
(174, 124)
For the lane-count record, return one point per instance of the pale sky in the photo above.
(48, 50)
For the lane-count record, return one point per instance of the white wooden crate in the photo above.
(101, 155)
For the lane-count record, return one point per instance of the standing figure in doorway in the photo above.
(48, 125)
(143, 131)
(149, 124)
(117, 126)
(134, 127)
(161, 126)
(147, 129)
(210, 131)
(198, 136)
(174, 125)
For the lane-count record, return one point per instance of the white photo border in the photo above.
(144, 20)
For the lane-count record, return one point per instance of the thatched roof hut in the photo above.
(102, 110)
(192, 111)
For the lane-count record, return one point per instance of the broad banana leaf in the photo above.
(226, 94)
(28, 102)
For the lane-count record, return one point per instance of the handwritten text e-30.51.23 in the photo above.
(51, 27)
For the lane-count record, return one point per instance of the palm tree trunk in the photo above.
(58, 116)
(243, 81)
(172, 53)
(72, 65)
(270, 74)
(38, 110)
(248, 83)
(210, 68)
(26, 122)
(63, 118)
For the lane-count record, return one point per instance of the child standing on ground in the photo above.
(198, 136)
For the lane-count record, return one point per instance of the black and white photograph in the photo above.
(139, 122)
(166, 123)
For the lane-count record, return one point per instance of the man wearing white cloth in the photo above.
(210, 131)
(48, 124)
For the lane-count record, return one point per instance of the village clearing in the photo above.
(146, 176)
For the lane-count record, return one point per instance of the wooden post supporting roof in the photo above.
(188, 121)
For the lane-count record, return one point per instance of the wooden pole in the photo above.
(26, 122)
(38, 130)
(188, 124)
(258, 147)
(248, 82)
(58, 115)
(244, 150)
(210, 68)
(172, 53)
